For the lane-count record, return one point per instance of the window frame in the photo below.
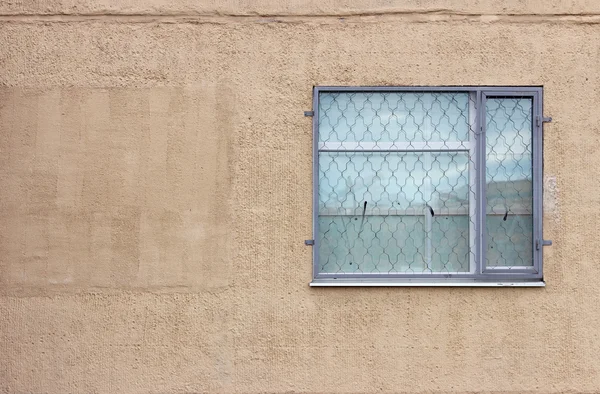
(478, 275)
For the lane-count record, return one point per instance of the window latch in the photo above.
(309, 242)
(309, 113)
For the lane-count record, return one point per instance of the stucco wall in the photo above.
(155, 193)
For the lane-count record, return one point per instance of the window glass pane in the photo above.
(450, 243)
(385, 244)
(393, 117)
(416, 216)
(509, 175)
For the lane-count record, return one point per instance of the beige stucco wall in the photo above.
(155, 193)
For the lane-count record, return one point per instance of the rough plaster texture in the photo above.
(307, 8)
(155, 193)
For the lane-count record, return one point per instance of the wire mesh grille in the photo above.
(509, 176)
(399, 183)
(396, 183)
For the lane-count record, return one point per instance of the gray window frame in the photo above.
(526, 276)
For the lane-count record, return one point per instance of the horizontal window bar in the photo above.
(433, 89)
(510, 268)
(409, 212)
(388, 212)
(501, 94)
(392, 146)
(395, 275)
(417, 283)
(423, 276)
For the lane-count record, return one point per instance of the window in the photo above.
(434, 186)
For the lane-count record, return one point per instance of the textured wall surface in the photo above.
(155, 193)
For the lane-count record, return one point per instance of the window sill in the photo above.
(422, 283)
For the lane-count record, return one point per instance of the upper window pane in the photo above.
(393, 117)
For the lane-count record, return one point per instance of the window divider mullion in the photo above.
(473, 176)
(481, 172)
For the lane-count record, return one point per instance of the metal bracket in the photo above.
(309, 113)
(545, 242)
(542, 119)
(309, 242)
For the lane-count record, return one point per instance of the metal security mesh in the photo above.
(509, 177)
(396, 182)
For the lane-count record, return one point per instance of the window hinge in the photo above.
(309, 113)
(542, 119)
(544, 242)
(309, 242)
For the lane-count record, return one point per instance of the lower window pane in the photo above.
(450, 243)
(389, 212)
(509, 242)
(385, 244)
